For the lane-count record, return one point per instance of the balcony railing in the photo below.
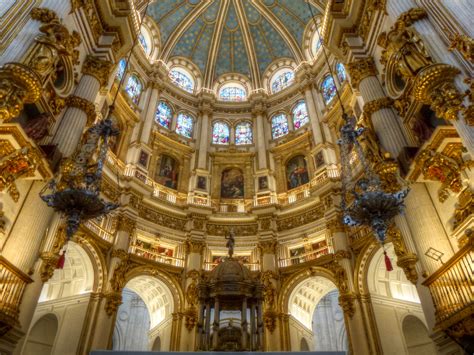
(99, 231)
(155, 256)
(12, 285)
(452, 287)
(303, 258)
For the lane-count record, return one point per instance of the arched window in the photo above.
(164, 115)
(220, 133)
(282, 79)
(145, 40)
(182, 79)
(243, 133)
(300, 115)
(184, 125)
(233, 92)
(279, 125)
(341, 72)
(134, 88)
(121, 68)
(317, 42)
(328, 89)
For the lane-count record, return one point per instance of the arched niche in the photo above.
(75, 278)
(42, 336)
(304, 345)
(147, 306)
(416, 336)
(156, 344)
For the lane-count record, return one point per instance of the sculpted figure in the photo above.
(230, 242)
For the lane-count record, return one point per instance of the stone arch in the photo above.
(416, 336)
(98, 261)
(304, 345)
(362, 266)
(42, 335)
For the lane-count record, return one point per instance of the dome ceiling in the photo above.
(232, 36)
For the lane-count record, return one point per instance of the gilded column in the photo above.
(119, 264)
(81, 110)
(350, 304)
(377, 105)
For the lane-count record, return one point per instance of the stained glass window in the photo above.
(300, 115)
(328, 89)
(317, 42)
(232, 93)
(181, 80)
(143, 42)
(243, 133)
(279, 125)
(220, 133)
(341, 72)
(282, 81)
(184, 125)
(134, 88)
(121, 68)
(164, 115)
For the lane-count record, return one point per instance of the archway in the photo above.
(416, 337)
(156, 344)
(394, 298)
(42, 335)
(313, 304)
(304, 345)
(147, 305)
(67, 294)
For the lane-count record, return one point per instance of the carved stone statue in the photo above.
(402, 45)
(230, 242)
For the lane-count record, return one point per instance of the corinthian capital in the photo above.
(98, 68)
(361, 69)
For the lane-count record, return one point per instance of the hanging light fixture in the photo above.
(364, 201)
(75, 190)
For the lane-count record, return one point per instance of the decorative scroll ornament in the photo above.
(464, 44)
(368, 205)
(19, 85)
(75, 192)
(405, 260)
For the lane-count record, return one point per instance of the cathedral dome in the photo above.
(230, 270)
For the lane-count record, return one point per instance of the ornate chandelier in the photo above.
(75, 191)
(370, 204)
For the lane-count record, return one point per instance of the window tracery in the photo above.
(341, 72)
(232, 93)
(300, 115)
(220, 133)
(282, 80)
(122, 64)
(181, 80)
(134, 88)
(164, 115)
(279, 125)
(243, 133)
(184, 125)
(328, 89)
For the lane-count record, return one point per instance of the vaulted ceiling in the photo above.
(232, 36)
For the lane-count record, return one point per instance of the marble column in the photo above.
(244, 324)
(260, 139)
(207, 334)
(253, 327)
(313, 115)
(149, 116)
(81, 107)
(438, 49)
(377, 105)
(204, 139)
(215, 328)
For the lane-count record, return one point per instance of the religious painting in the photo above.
(201, 182)
(232, 183)
(263, 182)
(167, 174)
(296, 172)
(318, 160)
(143, 159)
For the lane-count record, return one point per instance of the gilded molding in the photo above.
(361, 69)
(19, 85)
(434, 85)
(376, 105)
(194, 246)
(82, 104)
(98, 68)
(405, 260)
(126, 224)
(464, 44)
(268, 246)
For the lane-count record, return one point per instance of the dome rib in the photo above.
(249, 45)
